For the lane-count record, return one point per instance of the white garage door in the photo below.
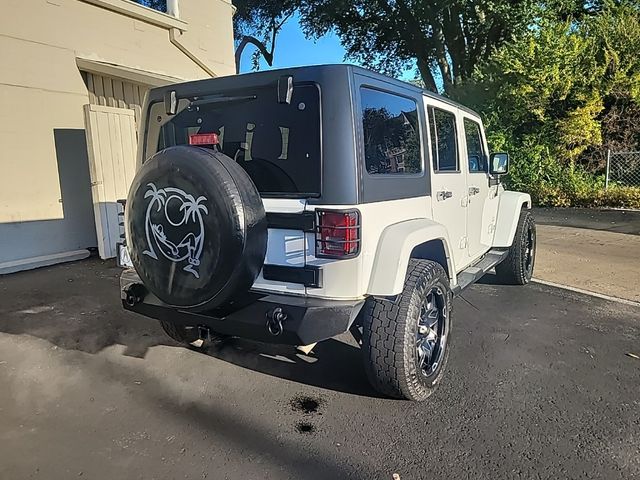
(111, 141)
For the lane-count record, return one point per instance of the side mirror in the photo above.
(499, 164)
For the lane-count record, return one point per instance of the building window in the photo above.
(160, 5)
(391, 133)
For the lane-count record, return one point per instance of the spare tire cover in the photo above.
(196, 227)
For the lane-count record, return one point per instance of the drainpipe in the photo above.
(174, 36)
(173, 8)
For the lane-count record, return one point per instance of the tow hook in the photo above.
(134, 294)
(275, 319)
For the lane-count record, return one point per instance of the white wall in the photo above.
(45, 203)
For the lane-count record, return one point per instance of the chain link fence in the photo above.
(623, 168)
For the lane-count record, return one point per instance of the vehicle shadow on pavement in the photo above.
(490, 279)
(77, 307)
(88, 333)
(334, 364)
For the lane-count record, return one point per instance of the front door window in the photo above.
(476, 154)
(483, 202)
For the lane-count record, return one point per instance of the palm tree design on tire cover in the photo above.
(159, 227)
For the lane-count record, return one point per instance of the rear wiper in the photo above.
(171, 101)
(214, 100)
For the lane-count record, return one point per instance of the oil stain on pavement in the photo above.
(307, 406)
(305, 428)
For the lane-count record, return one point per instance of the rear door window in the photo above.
(277, 144)
(444, 141)
(391, 133)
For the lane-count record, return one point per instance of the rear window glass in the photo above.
(391, 133)
(277, 144)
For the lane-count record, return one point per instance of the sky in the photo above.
(293, 50)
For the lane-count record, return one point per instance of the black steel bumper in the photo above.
(303, 320)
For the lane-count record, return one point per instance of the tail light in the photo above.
(337, 233)
(204, 139)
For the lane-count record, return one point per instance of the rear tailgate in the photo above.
(285, 247)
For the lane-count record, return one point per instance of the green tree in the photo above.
(560, 80)
(445, 39)
(559, 96)
(617, 31)
(542, 86)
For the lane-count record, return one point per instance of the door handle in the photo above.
(474, 190)
(443, 195)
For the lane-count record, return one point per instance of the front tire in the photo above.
(517, 268)
(405, 341)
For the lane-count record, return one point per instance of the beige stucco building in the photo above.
(56, 56)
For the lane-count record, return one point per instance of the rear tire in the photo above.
(517, 268)
(405, 341)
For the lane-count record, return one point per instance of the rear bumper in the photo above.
(307, 320)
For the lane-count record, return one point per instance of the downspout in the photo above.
(173, 9)
(174, 34)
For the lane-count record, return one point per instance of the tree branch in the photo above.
(441, 58)
(268, 55)
(276, 25)
(417, 41)
(286, 17)
(427, 75)
(455, 43)
(492, 37)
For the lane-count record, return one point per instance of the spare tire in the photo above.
(196, 227)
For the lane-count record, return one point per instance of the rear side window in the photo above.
(277, 144)
(477, 157)
(391, 133)
(444, 142)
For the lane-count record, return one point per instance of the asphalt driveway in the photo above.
(604, 219)
(539, 386)
(594, 250)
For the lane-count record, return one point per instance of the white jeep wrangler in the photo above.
(291, 206)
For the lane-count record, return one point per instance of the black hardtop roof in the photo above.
(266, 76)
